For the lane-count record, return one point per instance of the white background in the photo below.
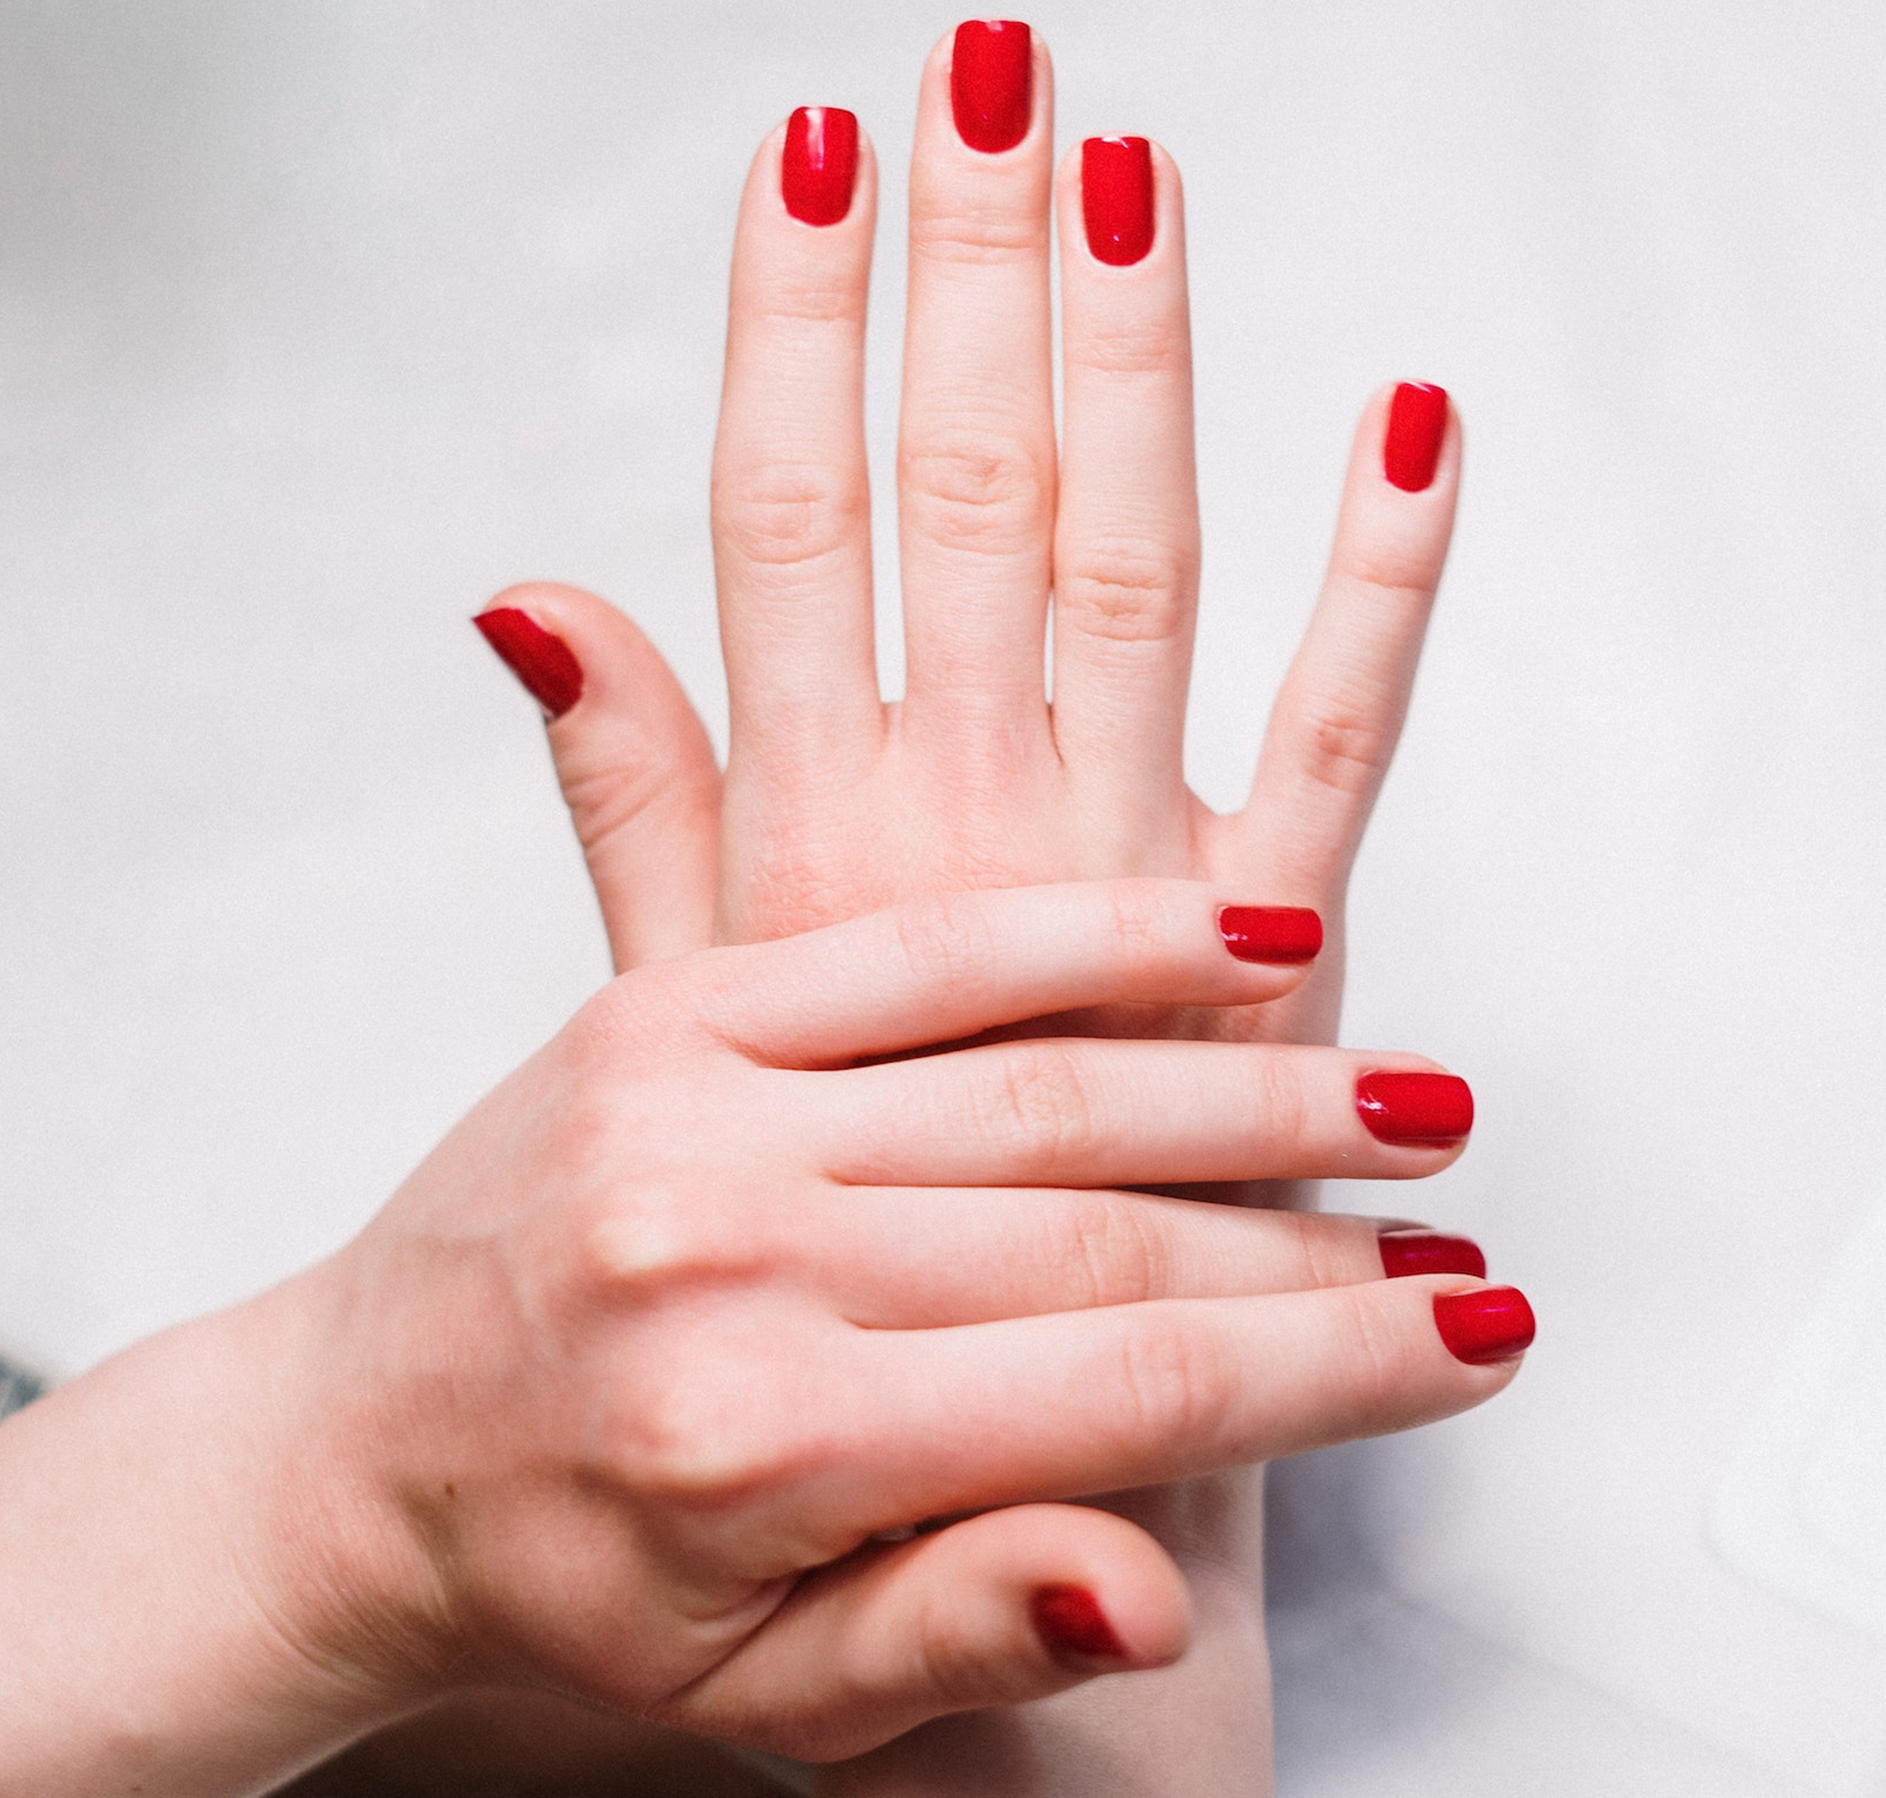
(320, 322)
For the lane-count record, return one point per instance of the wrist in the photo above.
(181, 1564)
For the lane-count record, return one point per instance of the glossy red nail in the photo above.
(992, 83)
(553, 676)
(1428, 1110)
(1492, 1323)
(1069, 1621)
(1117, 197)
(1285, 935)
(819, 164)
(1417, 422)
(1407, 1252)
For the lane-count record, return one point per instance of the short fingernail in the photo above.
(1117, 198)
(1417, 421)
(1424, 1110)
(1491, 1323)
(992, 83)
(1071, 1624)
(552, 676)
(1286, 935)
(820, 164)
(1406, 1252)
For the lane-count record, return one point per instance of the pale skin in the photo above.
(635, 1391)
(834, 802)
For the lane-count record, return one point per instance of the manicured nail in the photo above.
(992, 83)
(542, 662)
(1417, 421)
(1069, 1621)
(819, 164)
(1492, 1323)
(1287, 935)
(1407, 1252)
(1117, 197)
(1428, 1110)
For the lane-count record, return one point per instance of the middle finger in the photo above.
(976, 453)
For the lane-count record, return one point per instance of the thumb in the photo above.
(632, 757)
(1003, 1608)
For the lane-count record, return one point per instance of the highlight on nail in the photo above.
(1417, 427)
(818, 167)
(1117, 198)
(992, 83)
(540, 660)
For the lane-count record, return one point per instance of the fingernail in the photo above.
(542, 662)
(1069, 1621)
(992, 83)
(1407, 1252)
(1287, 935)
(1429, 1110)
(1491, 1323)
(819, 164)
(1117, 197)
(1417, 421)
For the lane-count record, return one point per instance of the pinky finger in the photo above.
(632, 757)
(1339, 714)
(997, 1610)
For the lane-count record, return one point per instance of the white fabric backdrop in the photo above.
(320, 322)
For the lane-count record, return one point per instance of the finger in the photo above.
(1098, 1401)
(634, 762)
(1339, 712)
(995, 1610)
(939, 969)
(1126, 546)
(791, 493)
(898, 1258)
(976, 454)
(1067, 1111)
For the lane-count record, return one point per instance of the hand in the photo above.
(835, 802)
(638, 1387)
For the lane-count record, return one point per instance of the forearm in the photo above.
(150, 1636)
(1202, 1727)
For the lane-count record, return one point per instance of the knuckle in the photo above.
(1041, 1104)
(791, 516)
(962, 1671)
(975, 490)
(1283, 1108)
(1150, 351)
(947, 941)
(1374, 1369)
(698, 1440)
(967, 235)
(659, 1239)
(1129, 592)
(1119, 1255)
(1176, 1385)
(1344, 742)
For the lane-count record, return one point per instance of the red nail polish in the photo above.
(1069, 1621)
(542, 662)
(1117, 197)
(992, 83)
(1429, 1110)
(1417, 421)
(819, 164)
(1285, 935)
(1407, 1252)
(1492, 1323)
